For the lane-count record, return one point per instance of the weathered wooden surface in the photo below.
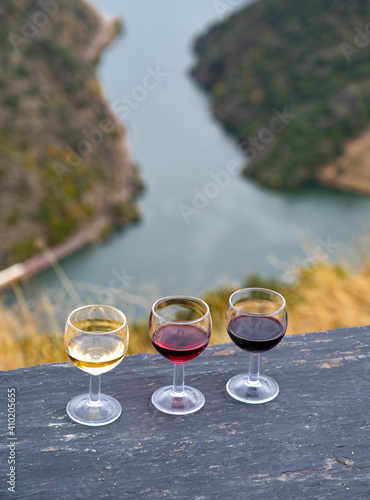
(312, 442)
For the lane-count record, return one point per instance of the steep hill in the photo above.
(291, 80)
(63, 163)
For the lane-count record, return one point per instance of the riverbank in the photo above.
(108, 29)
(86, 187)
(289, 92)
(351, 171)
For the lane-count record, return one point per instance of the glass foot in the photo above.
(190, 401)
(106, 411)
(238, 387)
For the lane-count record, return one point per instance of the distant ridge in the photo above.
(64, 168)
(307, 62)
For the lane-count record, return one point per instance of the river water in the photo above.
(186, 242)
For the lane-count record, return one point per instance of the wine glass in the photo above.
(256, 321)
(180, 329)
(96, 341)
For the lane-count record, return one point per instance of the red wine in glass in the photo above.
(180, 343)
(256, 320)
(179, 328)
(255, 335)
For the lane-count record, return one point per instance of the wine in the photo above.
(180, 343)
(96, 354)
(255, 335)
(97, 325)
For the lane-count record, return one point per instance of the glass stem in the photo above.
(94, 396)
(178, 380)
(254, 370)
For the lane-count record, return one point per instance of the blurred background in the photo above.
(155, 148)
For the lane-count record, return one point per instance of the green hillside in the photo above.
(291, 81)
(62, 160)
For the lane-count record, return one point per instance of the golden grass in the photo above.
(27, 338)
(326, 296)
(329, 297)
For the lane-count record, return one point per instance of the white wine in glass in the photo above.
(96, 341)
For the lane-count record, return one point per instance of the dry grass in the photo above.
(325, 297)
(27, 338)
(329, 297)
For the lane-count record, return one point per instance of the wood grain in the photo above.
(311, 442)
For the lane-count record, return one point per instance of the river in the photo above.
(182, 244)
